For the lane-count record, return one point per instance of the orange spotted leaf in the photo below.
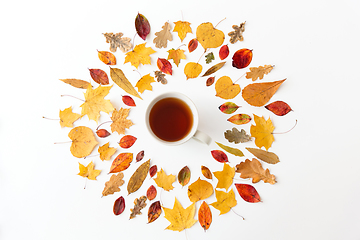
(206, 172)
(121, 162)
(151, 192)
(205, 216)
(127, 141)
(107, 57)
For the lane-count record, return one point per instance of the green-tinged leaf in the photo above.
(234, 151)
(228, 107)
(184, 176)
(239, 119)
(213, 69)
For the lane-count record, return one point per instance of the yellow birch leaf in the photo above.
(95, 102)
(208, 36)
(225, 201)
(164, 181)
(88, 171)
(83, 141)
(67, 117)
(176, 55)
(182, 28)
(76, 83)
(144, 83)
(140, 54)
(120, 123)
(226, 89)
(192, 70)
(118, 76)
(106, 152)
(199, 190)
(262, 132)
(225, 177)
(179, 217)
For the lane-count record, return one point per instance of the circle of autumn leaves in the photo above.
(255, 94)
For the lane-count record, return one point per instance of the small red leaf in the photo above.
(242, 58)
(210, 81)
(219, 156)
(140, 156)
(129, 101)
(151, 193)
(164, 66)
(154, 211)
(193, 44)
(119, 205)
(127, 141)
(279, 108)
(142, 26)
(153, 171)
(248, 192)
(240, 119)
(99, 76)
(224, 52)
(103, 133)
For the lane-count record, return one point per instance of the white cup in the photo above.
(167, 124)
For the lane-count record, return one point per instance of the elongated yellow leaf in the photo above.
(138, 177)
(235, 151)
(266, 156)
(213, 69)
(118, 76)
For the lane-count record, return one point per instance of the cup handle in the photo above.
(202, 137)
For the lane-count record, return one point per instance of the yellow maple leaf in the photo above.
(140, 54)
(182, 28)
(225, 201)
(176, 55)
(253, 169)
(199, 190)
(106, 152)
(225, 177)
(179, 217)
(144, 83)
(67, 117)
(120, 123)
(95, 102)
(192, 70)
(83, 141)
(88, 171)
(164, 181)
(262, 132)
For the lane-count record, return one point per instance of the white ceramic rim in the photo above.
(193, 109)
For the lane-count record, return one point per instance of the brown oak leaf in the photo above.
(163, 36)
(237, 136)
(113, 184)
(160, 77)
(118, 41)
(253, 169)
(139, 204)
(237, 34)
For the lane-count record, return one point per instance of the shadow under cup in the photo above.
(172, 118)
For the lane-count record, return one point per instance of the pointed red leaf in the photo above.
(242, 58)
(142, 26)
(164, 66)
(151, 192)
(248, 192)
(129, 101)
(154, 211)
(103, 133)
(224, 52)
(140, 156)
(219, 156)
(193, 44)
(99, 76)
(153, 171)
(119, 205)
(127, 141)
(279, 108)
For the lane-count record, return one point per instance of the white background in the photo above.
(314, 44)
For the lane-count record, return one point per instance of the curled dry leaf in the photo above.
(240, 119)
(258, 72)
(99, 76)
(237, 34)
(258, 94)
(68, 117)
(184, 176)
(265, 156)
(76, 83)
(164, 66)
(226, 89)
(139, 204)
(151, 193)
(228, 107)
(102, 133)
(127, 141)
(200, 190)
(206, 172)
(107, 57)
(210, 81)
(138, 177)
(248, 192)
(205, 216)
(237, 136)
(88, 171)
(142, 26)
(193, 45)
(224, 52)
(279, 108)
(219, 156)
(234, 151)
(119, 206)
(192, 70)
(154, 211)
(106, 152)
(140, 156)
(214, 69)
(118, 41)
(113, 185)
(163, 36)
(253, 169)
(225, 177)
(128, 101)
(242, 58)
(83, 141)
(208, 36)
(118, 76)
(121, 162)
(182, 28)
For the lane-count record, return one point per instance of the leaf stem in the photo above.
(181, 46)
(239, 78)
(287, 130)
(51, 118)
(102, 124)
(238, 214)
(202, 55)
(219, 22)
(62, 142)
(72, 97)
